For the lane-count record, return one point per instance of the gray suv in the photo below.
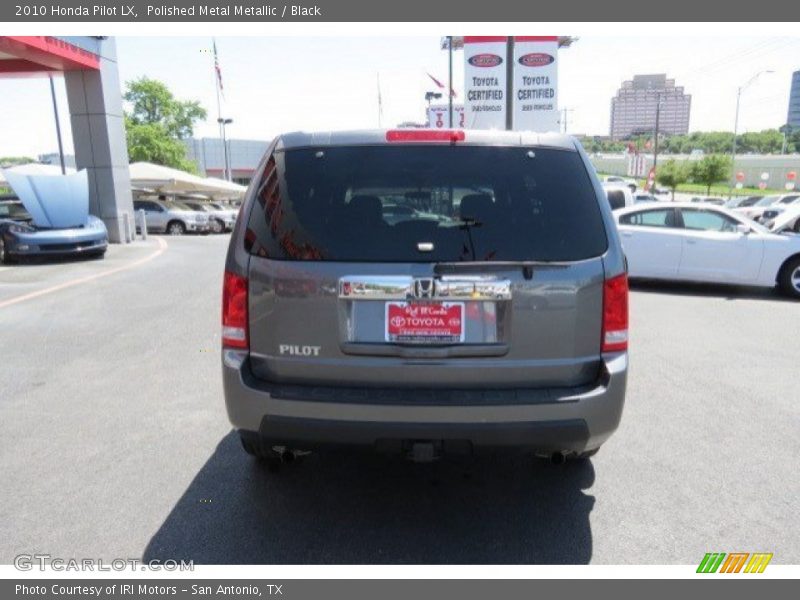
(425, 292)
(173, 218)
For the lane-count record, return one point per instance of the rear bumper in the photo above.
(559, 420)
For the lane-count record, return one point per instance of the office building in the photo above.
(633, 109)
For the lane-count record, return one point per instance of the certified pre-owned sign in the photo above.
(485, 82)
(536, 59)
(485, 60)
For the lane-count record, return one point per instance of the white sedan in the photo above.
(704, 243)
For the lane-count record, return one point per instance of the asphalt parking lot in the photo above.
(114, 441)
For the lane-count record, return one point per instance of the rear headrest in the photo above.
(366, 208)
(477, 206)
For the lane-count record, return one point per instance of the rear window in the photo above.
(425, 204)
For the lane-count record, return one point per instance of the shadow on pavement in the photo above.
(362, 508)
(708, 290)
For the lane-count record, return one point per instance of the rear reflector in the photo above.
(234, 311)
(425, 135)
(615, 314)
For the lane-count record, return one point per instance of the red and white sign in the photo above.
(485, 82)
(651, 180)
(535, 88)
(432, 322)
(439, 116)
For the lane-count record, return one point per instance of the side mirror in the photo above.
(742, 228)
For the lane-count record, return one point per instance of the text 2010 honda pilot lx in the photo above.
(425, 291)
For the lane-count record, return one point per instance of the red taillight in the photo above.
(425, 135)
(234, 311)
(615, 314)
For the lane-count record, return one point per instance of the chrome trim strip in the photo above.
(402, 287)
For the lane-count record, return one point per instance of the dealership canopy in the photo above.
(166, 180)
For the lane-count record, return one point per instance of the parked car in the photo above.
(754, 211)
(640, 197)
(709, 200)
(49, 216)
(22, 237)
(619, 196)
(502, 323)
(617, 180)
(742, 201)
(787, 219)
(170, 217)
(771, 212)
(705, 243)
(220, 220)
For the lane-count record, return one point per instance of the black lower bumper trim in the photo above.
(310, 433)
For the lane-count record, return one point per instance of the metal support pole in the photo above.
(509, 83)
(143, 223)
(58, 126)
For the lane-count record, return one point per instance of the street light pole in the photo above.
(739, 91)
(655, 140)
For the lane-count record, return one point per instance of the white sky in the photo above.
(275, 84)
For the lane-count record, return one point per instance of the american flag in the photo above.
(440, 85)
(217, 69)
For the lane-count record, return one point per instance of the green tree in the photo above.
(672, 174)
(12, 161)
(156, 122)
(150, 142)
(711, 169)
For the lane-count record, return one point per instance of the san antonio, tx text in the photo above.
(140, 589)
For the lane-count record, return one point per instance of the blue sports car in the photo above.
(49, 216)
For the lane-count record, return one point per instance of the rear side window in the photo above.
(703, 220)
(616, 199)
(649, 218)
(408, 203)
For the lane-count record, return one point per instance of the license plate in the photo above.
(425, 322)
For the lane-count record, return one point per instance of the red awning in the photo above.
(22, 56)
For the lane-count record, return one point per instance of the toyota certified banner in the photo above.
(535, 95)
(485, 82)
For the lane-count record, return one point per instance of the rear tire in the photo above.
(789, 278)
(176, 228)
(217, 226)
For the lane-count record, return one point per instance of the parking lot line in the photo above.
(162, 246)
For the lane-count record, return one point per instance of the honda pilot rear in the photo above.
(425, 292)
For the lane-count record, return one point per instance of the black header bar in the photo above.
(483, 11)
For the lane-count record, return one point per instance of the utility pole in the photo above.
(58, 126)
